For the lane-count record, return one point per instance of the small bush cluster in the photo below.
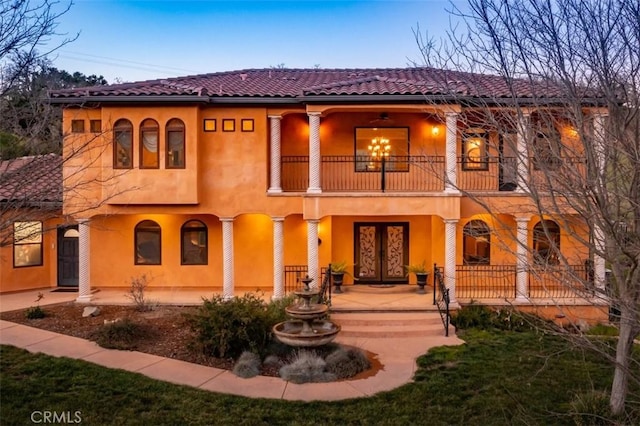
(123, 335)
(226, 328)
(306, 367)
(485, 318)
(247, 366)
(35, 312)
(346, 362)
(591, 409)
(136, 293)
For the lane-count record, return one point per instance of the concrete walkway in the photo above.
(397, 356)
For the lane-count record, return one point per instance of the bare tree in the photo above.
(569, 75)
(27, 31)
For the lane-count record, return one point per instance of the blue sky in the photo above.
(140, 40)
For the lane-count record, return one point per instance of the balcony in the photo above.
(422, 173)
(343, 173)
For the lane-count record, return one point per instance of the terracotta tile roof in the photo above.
(307, 83)
(34, 179)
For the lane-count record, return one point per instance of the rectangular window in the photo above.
(27, 244)
(546, 150)
(474, 151)
(209, 124)
(376, 147)
(95, 126)
(77, 126)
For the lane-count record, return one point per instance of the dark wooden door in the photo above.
(68, 256)
(381, 251)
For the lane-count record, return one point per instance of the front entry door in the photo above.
(68, 256)
(381, 250)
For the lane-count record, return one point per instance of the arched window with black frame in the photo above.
(175, 141)
(123, 144)
(476, 244)
(149, 139)
(148, 239)
(546, 243)
(194, 245)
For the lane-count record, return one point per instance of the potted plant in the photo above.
(338, 270)
(421, 272)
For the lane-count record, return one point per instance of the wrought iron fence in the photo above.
(344, 173)
(489, 174)
(558, 281)
(441, 297)
(485, 281)
(293, 275)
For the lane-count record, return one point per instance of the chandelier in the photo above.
(379, 148)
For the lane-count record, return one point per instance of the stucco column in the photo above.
(278, 257)
(522, 150)
(314, 153)
(522, 271)
(312, 252)
(274, 184)
(599, 276)
(451, 159)
(450, 226)
(227, 256)
(84, 267)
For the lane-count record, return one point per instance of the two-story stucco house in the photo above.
(231, 180)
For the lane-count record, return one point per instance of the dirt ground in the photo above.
(172, 337)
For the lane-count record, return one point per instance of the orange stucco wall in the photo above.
(32, 277)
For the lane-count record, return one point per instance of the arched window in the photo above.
(147, 243)
(123, 144)
(149, 155)
(194, 247)
(175, 144)
(476, 244)
(546, 243)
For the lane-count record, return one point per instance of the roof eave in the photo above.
(129, 99)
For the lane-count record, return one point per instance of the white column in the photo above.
(278, 257)
(314, 153)
(451, 183)
(450, 258)
(522, 148)
(84, 248)
(274, 184)
(522, 272)
(312, 252)
(227, 256)
(599, 138)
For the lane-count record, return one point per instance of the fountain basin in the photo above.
(306, 334)
(307, 312)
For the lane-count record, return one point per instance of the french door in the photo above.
(381, 251)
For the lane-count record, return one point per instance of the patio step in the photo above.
(389, 324)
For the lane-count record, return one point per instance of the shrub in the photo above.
(136, 293)
(485, 318)
(226, 328)
(591, 409)
(473, 316)
(35, 312)
(347, 362)
(123, 334)
(306, 367)
(248, 365)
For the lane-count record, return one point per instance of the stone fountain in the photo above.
(306, 329)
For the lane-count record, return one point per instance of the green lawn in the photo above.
(496, 378)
